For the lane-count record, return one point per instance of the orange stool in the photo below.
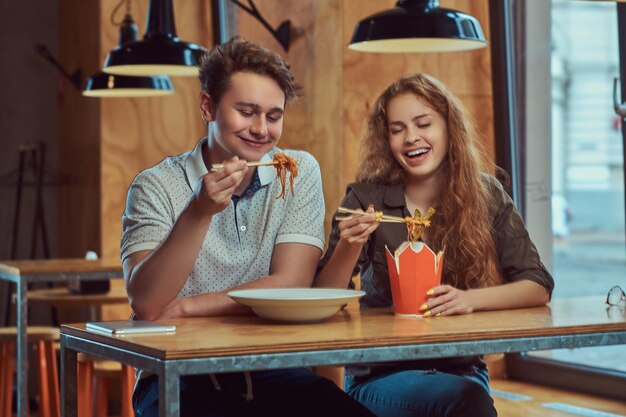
(94, 376)
(44, 338)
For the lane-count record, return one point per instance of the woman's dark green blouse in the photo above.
(517, 255)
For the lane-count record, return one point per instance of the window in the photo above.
(586, 246)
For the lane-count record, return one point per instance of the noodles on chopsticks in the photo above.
(283, 164)
(415, 225)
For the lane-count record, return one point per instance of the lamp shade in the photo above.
(110, 85)
(160, 52)
(418, 26)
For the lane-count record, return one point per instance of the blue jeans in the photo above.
(287, 392)
(425, 393)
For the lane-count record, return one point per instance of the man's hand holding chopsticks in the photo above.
(214, 190)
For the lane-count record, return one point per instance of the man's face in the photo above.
(248, 120)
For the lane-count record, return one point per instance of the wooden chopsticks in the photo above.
(379, 214)
(215, 167)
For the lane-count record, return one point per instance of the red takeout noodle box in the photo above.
(413, 269)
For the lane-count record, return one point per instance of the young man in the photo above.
(190, 235)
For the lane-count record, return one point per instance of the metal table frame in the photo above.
(21, 282)
(169, 371)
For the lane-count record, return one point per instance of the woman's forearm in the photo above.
(338, 271)
(519, 294)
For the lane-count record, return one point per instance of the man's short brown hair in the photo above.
(238, 55)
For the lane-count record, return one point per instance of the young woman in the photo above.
(421, 150)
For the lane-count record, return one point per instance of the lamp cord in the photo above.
(282, 34)
(252, 10)
(116, 9)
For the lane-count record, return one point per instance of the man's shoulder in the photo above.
(298, 154)
(169, 169)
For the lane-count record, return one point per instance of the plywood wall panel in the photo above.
(137, 133)
(481, 109)
(341, 84)
(340, 87)
(106, 142)
(467, 74)
(314, 123)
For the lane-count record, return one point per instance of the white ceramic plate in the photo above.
(295, 304)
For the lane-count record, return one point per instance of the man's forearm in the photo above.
(284, 273)
(156, 281)
(219, 303)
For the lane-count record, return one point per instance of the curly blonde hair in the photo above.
(461, 223)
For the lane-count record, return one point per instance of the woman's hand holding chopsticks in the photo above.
(357, 227)
(379, 216)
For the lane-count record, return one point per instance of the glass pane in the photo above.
(589, 252)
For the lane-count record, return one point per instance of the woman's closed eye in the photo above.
(396, 128)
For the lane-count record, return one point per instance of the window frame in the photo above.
(509, 52)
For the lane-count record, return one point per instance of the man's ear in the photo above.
(207, 107)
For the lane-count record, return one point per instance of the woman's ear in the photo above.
(207, 107)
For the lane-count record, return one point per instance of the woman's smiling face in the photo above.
(418, 136)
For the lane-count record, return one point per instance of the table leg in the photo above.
(22, 348)
(169, 392)
(69, 381)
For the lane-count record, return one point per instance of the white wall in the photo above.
(538, 127)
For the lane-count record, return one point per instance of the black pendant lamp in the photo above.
(110, 85)
(418, 26)
(159, 52)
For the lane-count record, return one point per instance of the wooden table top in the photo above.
(57, 266)
(63, 297)
(241, 335)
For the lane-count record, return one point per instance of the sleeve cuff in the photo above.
(295, 238)
(129, 250)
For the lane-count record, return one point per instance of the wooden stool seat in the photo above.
(35, 334)
(62, 297)
(44, 339)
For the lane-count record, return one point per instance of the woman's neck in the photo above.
(421, 193)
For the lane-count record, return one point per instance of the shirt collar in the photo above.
(194, 165)
(394, 196)
(267, 174)
(196, 169)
